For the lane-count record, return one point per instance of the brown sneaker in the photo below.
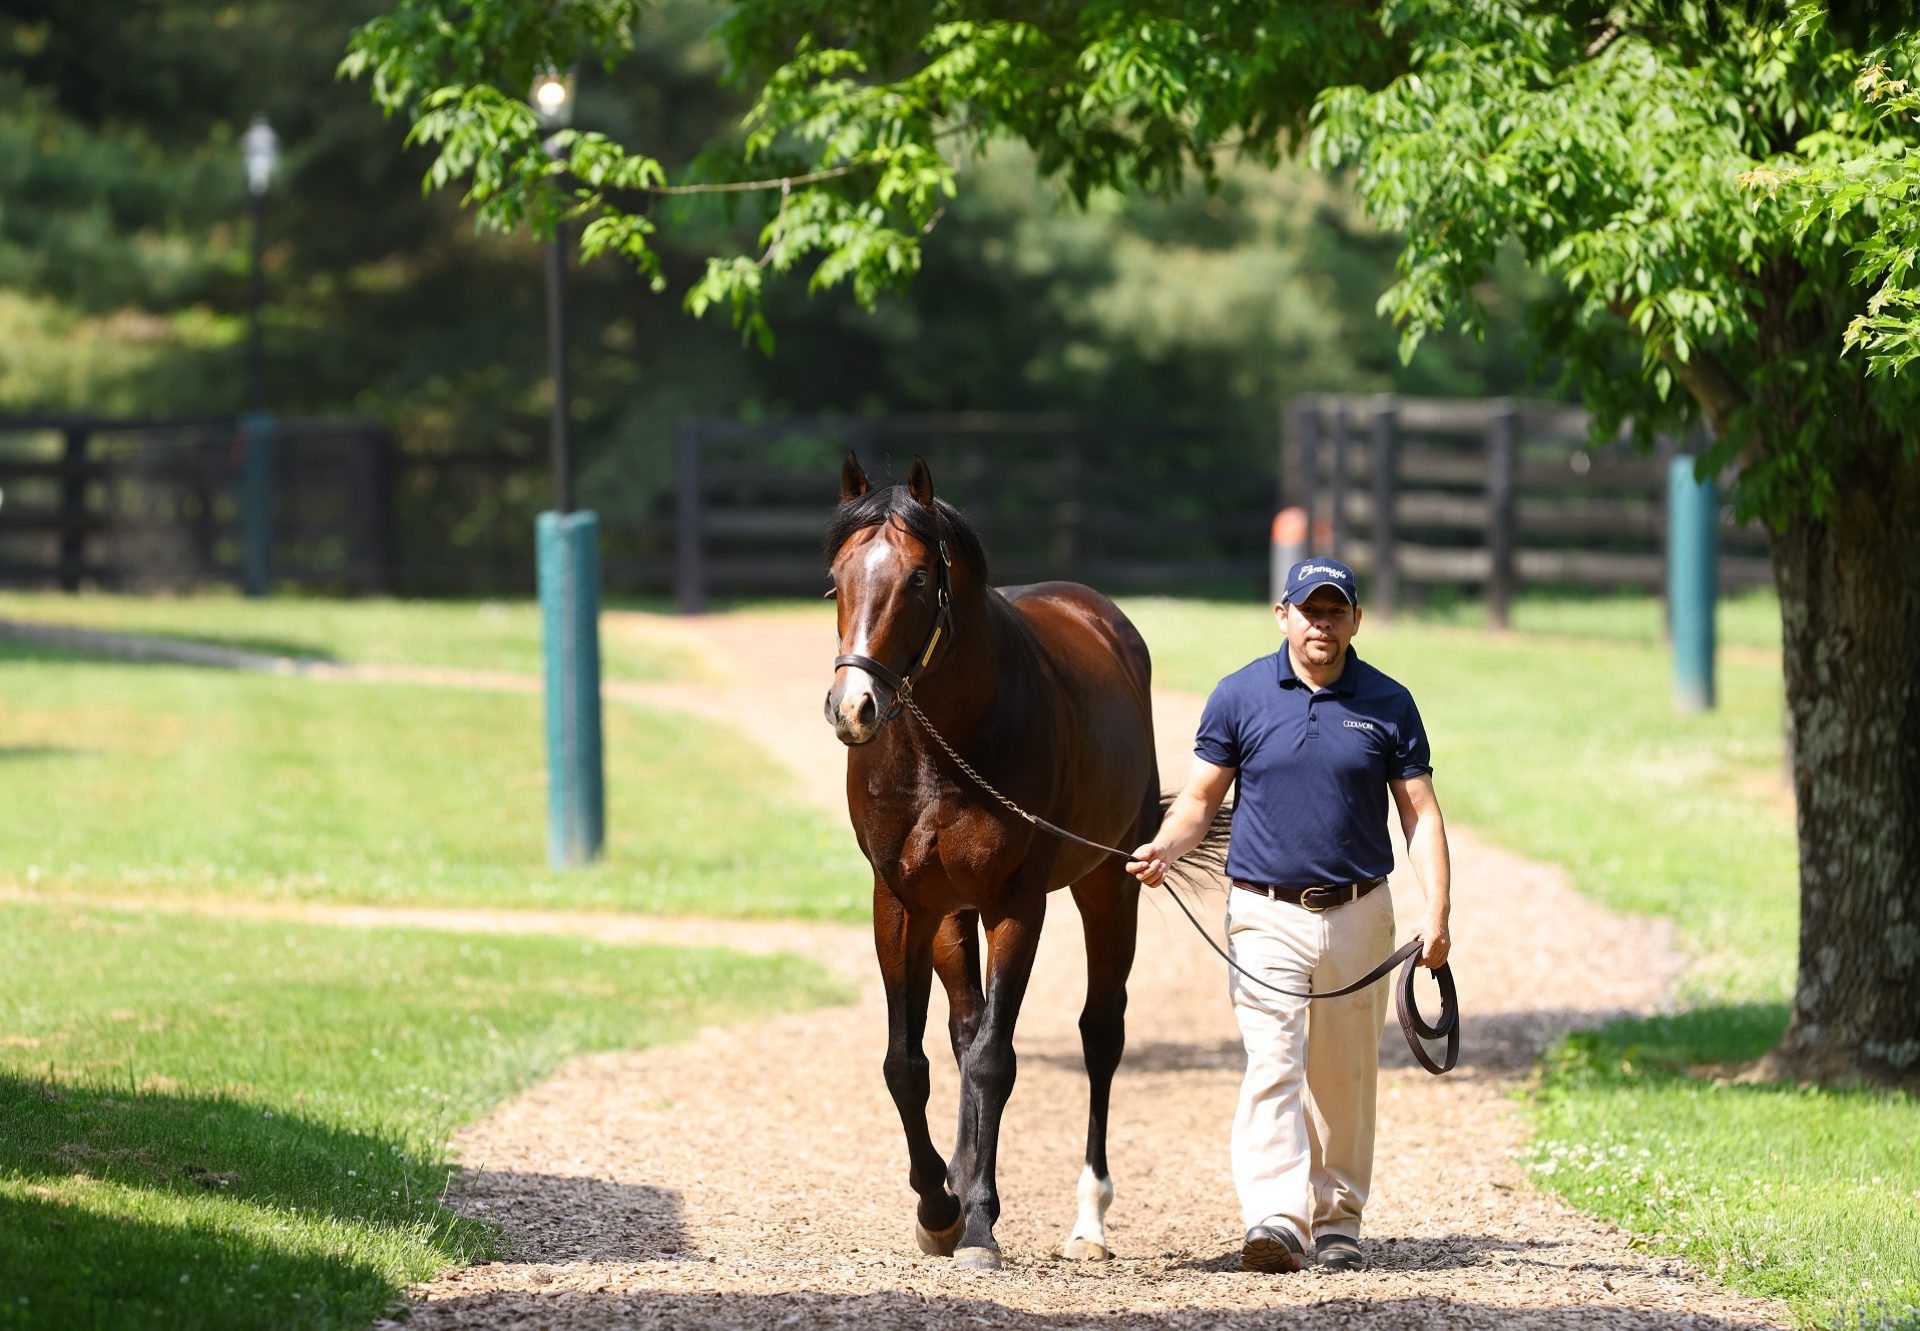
(1337, 1252)
(1272, 1249)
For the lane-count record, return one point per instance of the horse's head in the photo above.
(890, 556)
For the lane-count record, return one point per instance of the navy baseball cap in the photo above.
(1319, 571)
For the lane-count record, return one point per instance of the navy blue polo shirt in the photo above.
(1313, 768)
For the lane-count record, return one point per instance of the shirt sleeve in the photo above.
(1411, 756)
(1218, 739)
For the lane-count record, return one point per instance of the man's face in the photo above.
(1319, 628)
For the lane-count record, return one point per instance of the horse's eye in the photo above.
(919, 578)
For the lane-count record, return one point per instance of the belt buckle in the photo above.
(1307, 892)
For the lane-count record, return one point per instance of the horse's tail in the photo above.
(1205, 866)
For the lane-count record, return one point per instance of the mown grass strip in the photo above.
(491, 635)
(176, 780)
(209, 1123)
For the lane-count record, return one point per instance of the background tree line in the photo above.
(123, 265)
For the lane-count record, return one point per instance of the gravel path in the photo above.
(756, 1177)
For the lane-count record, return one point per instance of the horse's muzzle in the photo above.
(852, 709)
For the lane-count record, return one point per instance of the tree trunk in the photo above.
(1849, 588)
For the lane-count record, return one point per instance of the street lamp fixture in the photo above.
(260, 151)
(552, 99)
(260, 146)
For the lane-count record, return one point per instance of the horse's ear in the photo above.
(853, 481)
(920, 484)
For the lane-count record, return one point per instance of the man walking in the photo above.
(1317, 739)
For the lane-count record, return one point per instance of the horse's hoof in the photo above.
(1085, 1250)
(977, 1259)
(940, 1244)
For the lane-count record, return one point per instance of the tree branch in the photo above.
(1701, 374)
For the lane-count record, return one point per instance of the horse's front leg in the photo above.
(903, 941)
(986, 1077)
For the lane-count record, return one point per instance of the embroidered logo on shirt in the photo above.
(1358, 725)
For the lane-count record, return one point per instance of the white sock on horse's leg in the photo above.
(1090, 1229)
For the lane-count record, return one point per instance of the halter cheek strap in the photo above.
(902, 684)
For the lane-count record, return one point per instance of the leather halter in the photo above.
(902, 684)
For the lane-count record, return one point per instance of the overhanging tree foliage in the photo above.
(1723, 192)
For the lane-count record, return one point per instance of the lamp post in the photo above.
(553, 104)
(260, 149)
(568, 549)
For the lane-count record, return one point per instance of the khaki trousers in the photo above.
(1303, 1132)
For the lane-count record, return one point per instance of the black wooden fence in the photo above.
(1127, 508)
(1493, 494)
(135, 505)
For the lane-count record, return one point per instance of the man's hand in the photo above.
(1438, 942)
(1150, 864)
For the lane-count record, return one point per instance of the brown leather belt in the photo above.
(1316, 897)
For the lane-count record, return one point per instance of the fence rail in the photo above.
(139, 504)
(1415, 492)
(1489, 493)
(1126, 507)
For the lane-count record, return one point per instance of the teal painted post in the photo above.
(569, 570)
(256, 505)
(1693, 513)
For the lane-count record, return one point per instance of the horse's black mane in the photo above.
(885, 503)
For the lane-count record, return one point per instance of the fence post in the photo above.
(256, 505)
(689, 561)
(380, 519)
(1337, 529)
(1386, 569)
(1306, 462)
(1067, 511)
(1663, 451)
(1692, 581)
(1287, 547)
(73, 508)
(1502, 432)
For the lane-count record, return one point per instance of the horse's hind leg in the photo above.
(904, 944)
(1109, 901)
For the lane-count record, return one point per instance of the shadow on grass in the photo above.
(72, 1263)
(144, 1208)
(16, 752)
(1699, 1040)
(21, 641)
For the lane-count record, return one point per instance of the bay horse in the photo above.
(1043, 690)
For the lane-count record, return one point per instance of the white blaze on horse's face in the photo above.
(873, 580)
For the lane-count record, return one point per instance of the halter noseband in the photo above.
(902, 684)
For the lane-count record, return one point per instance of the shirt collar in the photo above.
(1342, 688)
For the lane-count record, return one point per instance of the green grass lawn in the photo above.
(467, 635)
(210, 1123)
(1558, 740)
(1811, 1196)
(149, 779)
